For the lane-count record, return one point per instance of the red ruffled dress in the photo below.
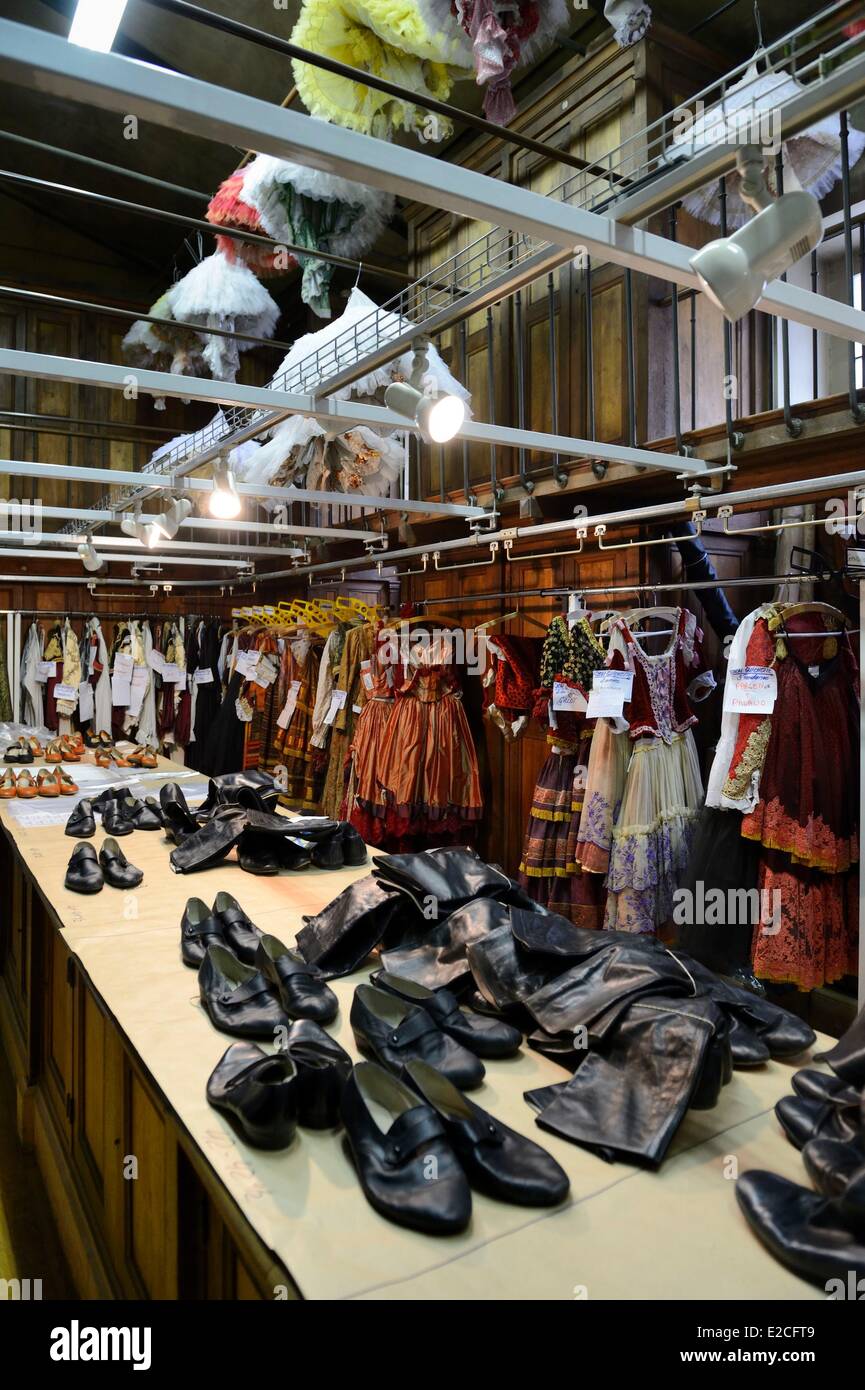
(428, 790)
(380, 677)
(800, 768)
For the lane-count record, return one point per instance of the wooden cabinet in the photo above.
(139, 1213)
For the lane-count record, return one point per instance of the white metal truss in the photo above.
(337, 414)
(163, 549)
(161, 482)
(15, 552)
(209, 523)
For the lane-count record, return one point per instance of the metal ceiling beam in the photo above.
(335, 413)
(43, 62)
(160, 482)
(164, 548)
(13, 551)
(209, 523)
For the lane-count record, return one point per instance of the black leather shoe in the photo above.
(818, 1239)
(408, 1171)
(812, 1084)
(301, 989)
(82, 822)
(154, 808)
(116, 867)
(394, 1033)
(323, 1067)
(495, 1159)
(259, 854)
(327, 853)
(83, 874)
(802, 1119)
(139, 815)
(353, 847)
(746, 1047)
(114, 821)
(258, 1091)
(831, 1163)
(294, 854)
(485, 1037)
(847, 1057)
(237, 999)
(199, 928)
(241, 935)
(210, 844)
(178, 821)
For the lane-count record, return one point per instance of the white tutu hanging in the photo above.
(812, 159)
(219, 293)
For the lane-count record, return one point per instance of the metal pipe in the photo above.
(519, 333)
(378, 84)
(857, 408)
(496, 491)
(735, 438)
(629, 348)
(105, 167)
(775, 494)
(814, 342)
(559, 474)
(792, 423)
(674, 308)
(464, 358)
(197, 223)
(12, 292)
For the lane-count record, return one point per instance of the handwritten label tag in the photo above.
(85, 701)
(366, 675)
(751, 690)
(337, 702)
(156, 660)
(565, 697)
(170, 672)
(65, 692)
(204, 676)
(45, 670)
(290, 706)
(247, 663)
(610, 692)
(123, 664)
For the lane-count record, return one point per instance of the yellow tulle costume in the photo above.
(388, 38)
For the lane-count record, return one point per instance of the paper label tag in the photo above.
(751, 690)
(123, 664)
(366, 675)
(266, 672)
(180, 684)
(85, 701)
(610, 692)
(565, 697)
(247, 663)
(45, 670)
(204, 676)
(357, 708)
(156, 660)
(337, 702)
(137, 688)
(813, 671)
(170, 672)
(65, 692)
(290, 706)
(121, 689)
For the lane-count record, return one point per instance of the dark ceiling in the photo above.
(152, 252)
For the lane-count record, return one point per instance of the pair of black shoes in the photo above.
(122, 813)
(254, 1001)
(88, 873)
(266, 854)
(266, 1095)
(225, 924)
(818, 1234)
(419, 1170)
(396, 1021)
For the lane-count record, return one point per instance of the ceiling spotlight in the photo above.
(223, 501)
(136, 528)
(438, 420)
(90, 558)
(733, 271)
(95, 23)
(165, 525)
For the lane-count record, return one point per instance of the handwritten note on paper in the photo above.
(565, 697)
(337, 701)
(751, 690)
(290, 706)
(610, 692)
